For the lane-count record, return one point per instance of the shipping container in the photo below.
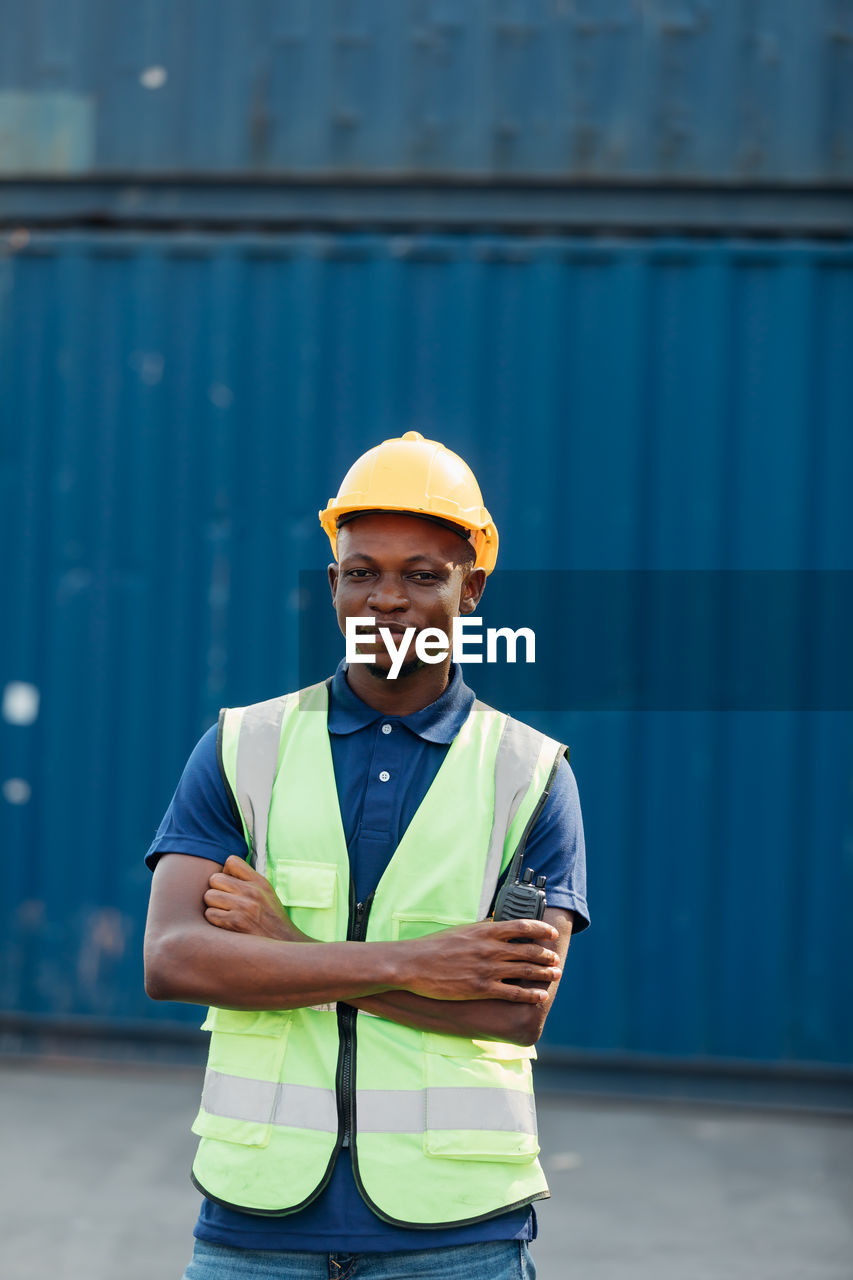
(177, 407)
(692, 91)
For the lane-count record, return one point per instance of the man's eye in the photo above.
(357, 573)
(424, 575)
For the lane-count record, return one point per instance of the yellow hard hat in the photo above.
(422, 477)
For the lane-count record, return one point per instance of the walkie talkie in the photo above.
(521, 899)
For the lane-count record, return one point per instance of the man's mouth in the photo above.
(396, 628)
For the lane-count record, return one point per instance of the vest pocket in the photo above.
(306, 884)
(479, 1100)
(241, 1083)
(310, 893)
(247, 1022)
(408, 925)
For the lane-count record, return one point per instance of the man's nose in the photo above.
(387, 596)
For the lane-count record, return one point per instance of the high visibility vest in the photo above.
(442, 1128)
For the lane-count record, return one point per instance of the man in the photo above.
(323, 879)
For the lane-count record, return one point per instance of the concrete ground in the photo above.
(95, 1186)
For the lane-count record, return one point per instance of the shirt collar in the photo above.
(439, 722)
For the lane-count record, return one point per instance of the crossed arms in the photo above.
(219, 935)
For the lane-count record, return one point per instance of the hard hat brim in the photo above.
(484, 541)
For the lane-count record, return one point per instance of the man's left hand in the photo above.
(240, 899)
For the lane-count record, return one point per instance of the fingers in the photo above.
(223, 901)
(534, 954)
(240, 884)
(533, 973)
(520, 995)
(225, 883)
(240, 869)
(223, 909)
(222, 919)
(535, 930)
(514, 952)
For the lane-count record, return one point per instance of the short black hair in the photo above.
(467, 556)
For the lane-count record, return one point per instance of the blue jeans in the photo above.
(492, 1260)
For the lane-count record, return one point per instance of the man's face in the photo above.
(402, 572)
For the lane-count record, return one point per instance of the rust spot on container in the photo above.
(31, 913)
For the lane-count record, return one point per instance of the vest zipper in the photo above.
(356, 930)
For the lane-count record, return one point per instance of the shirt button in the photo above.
(384, 775)
(386, 728)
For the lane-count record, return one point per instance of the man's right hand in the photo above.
(483, 961)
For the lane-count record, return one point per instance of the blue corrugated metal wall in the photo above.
(635, 88)
(176, 407)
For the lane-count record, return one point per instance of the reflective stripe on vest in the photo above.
(257, 758)
(377, 1110)
(301, 1106)
(520, 750)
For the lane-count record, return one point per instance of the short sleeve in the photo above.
(555, 848)
(199, 821)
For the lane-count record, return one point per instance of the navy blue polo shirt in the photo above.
(384, 766)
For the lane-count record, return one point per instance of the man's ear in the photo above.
(472, 589)
(333, 580)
